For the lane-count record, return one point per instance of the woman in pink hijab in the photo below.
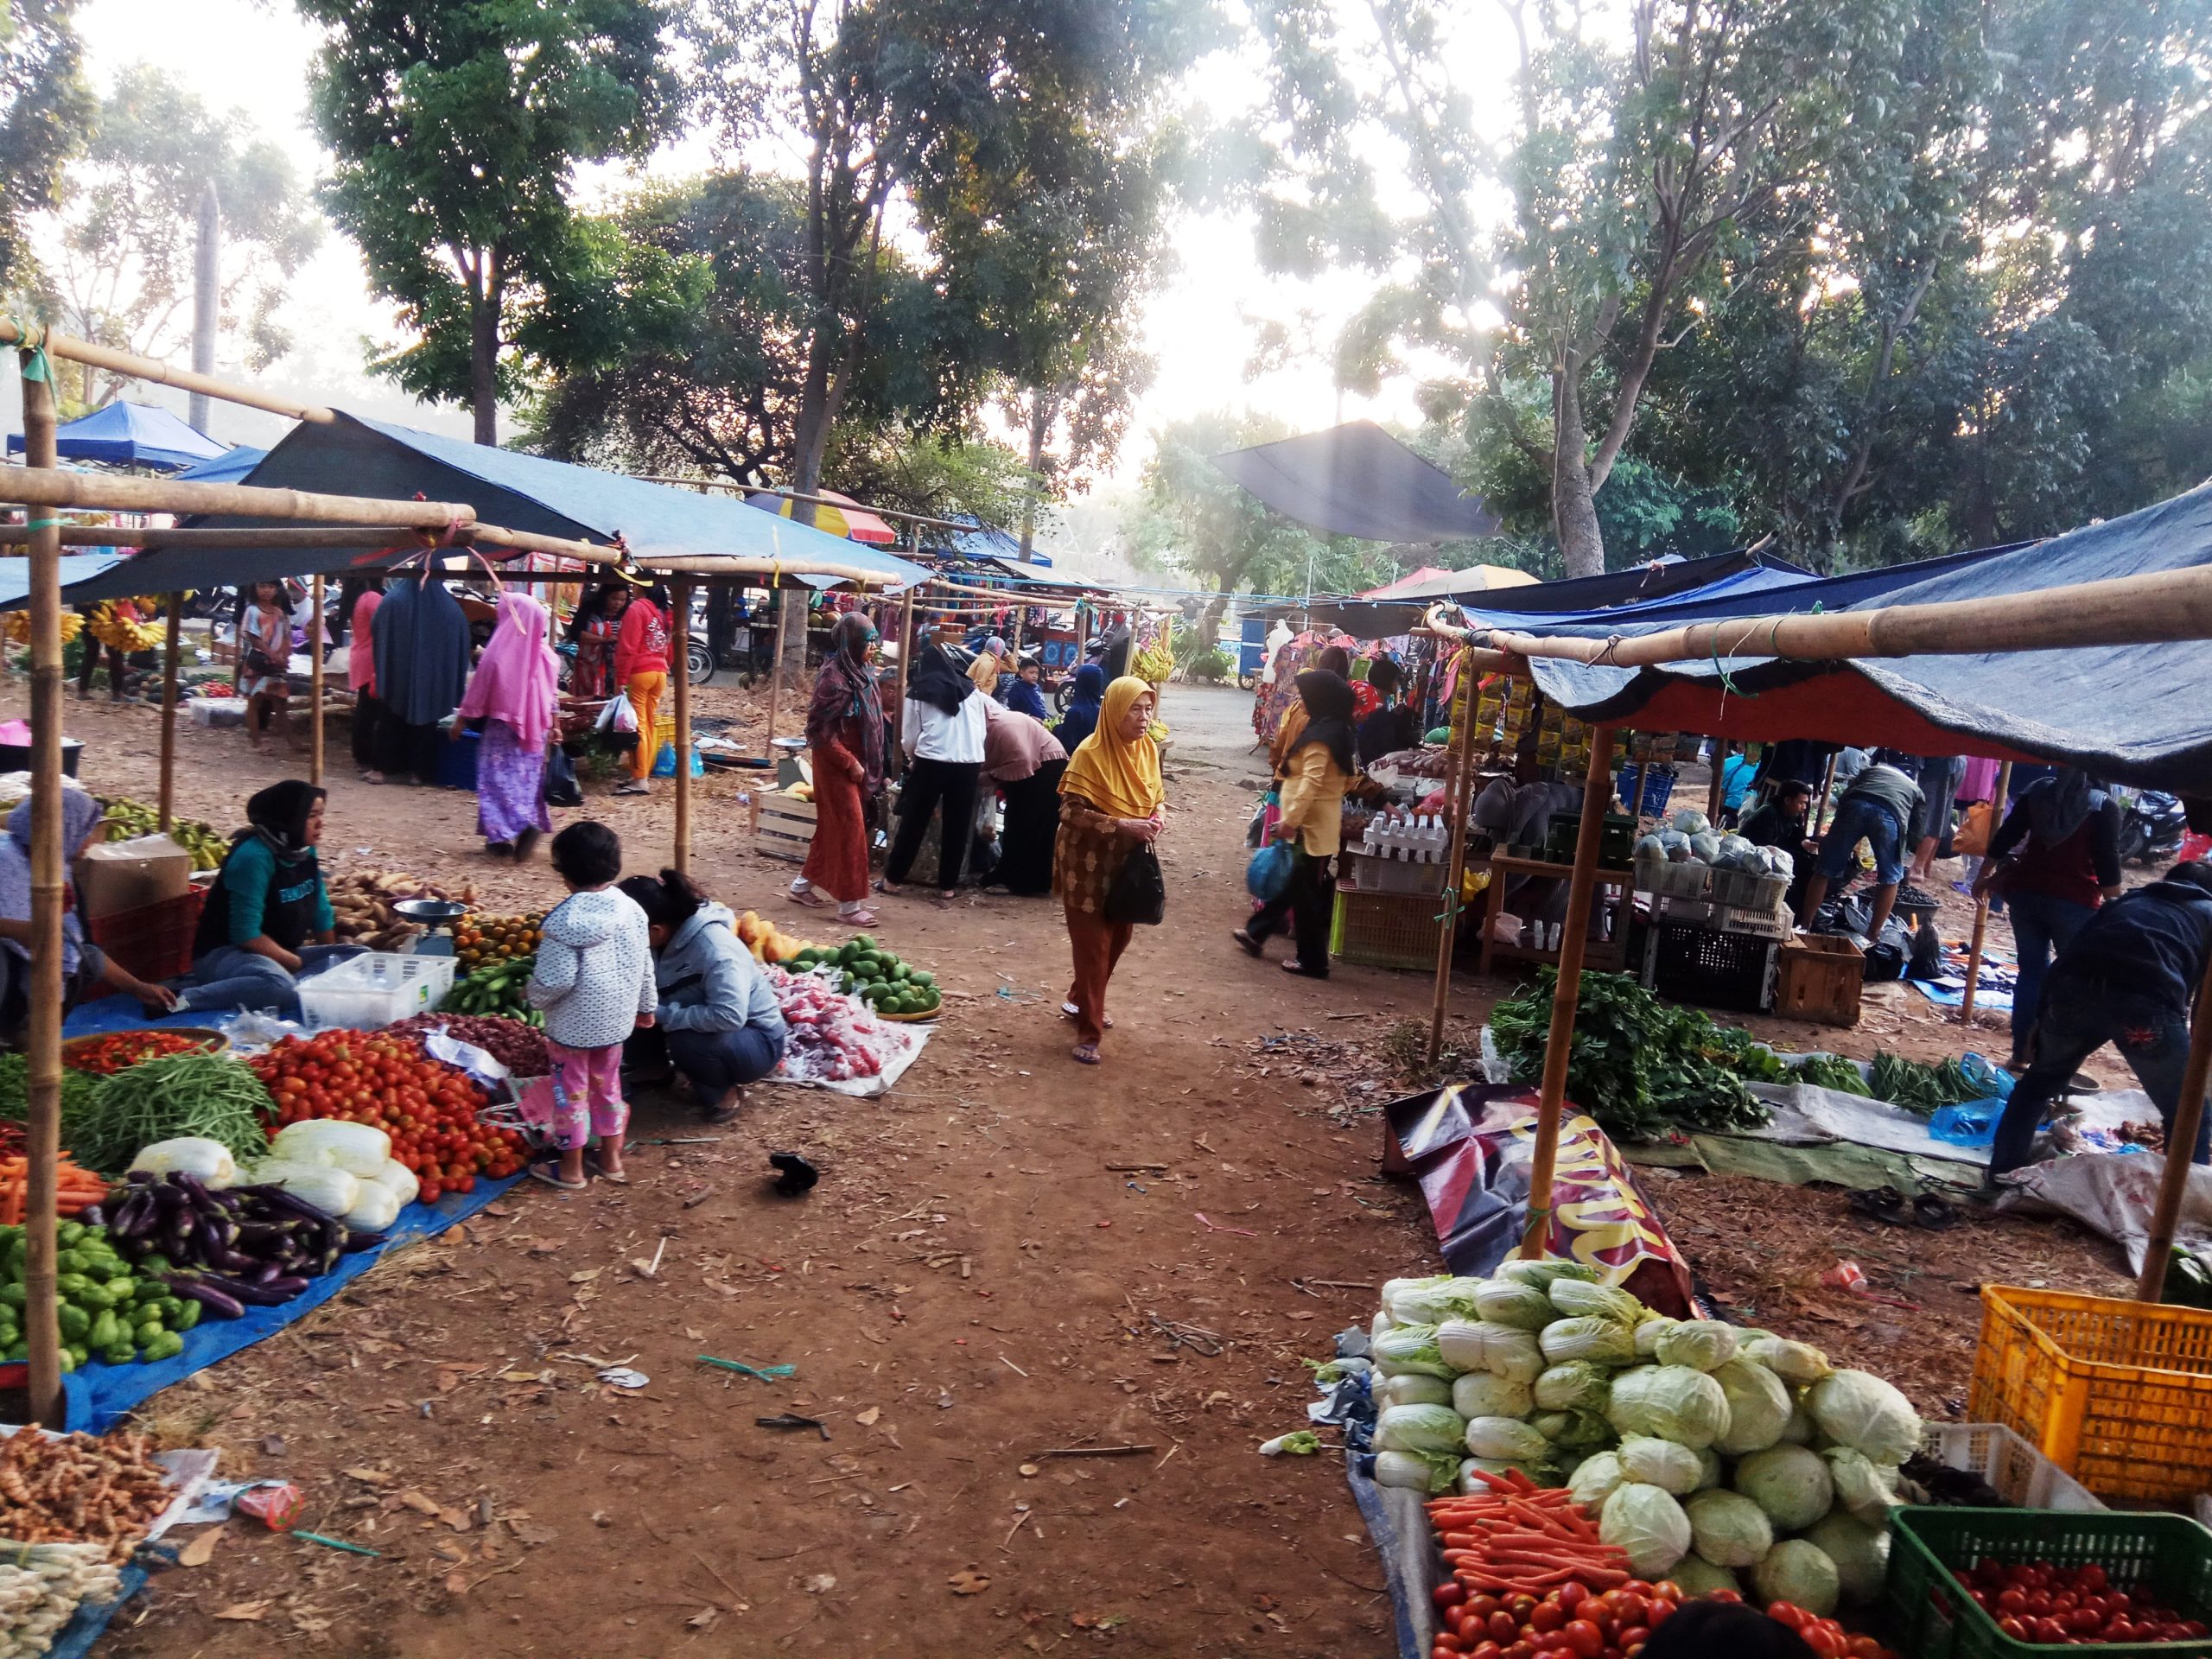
(514, 694)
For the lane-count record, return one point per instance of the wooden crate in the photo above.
(783, 826)
(1818, 977)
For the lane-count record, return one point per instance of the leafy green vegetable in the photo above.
(1641, 1068)
(78, 1089)
(1829, 1071)
(203, 1095)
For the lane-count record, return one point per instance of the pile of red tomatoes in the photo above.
(428, 1109)
(1574, 1621)
(2035, 1601)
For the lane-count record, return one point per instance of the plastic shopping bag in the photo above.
(665, 763)
(1269, 873)
(618, 715)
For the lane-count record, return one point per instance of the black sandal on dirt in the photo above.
(1882, 1204)
(1291, 966)
(1245, 942)
(1933, 1213)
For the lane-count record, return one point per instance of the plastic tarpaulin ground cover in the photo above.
(349, 455)
(2138, 715)
(1355, 479)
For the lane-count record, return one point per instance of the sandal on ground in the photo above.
(890, 888)
(550, 1174)
(856, 918)
(1070, 1010)
(1933, 1213)
(618, 1177)
(1085, 1053)
(810, 899)
(1291, 965)
(634, 787)
(1245, 942)
(1882, 1204)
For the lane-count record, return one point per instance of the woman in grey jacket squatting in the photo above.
(719, 1024)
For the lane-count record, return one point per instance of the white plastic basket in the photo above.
(2021, 1474)
(369, 992)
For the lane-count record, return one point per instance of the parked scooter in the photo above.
(2151, 830)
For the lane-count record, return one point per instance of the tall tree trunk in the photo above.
(811, 444)
(1575, 509)
(1040, 424)
(484, 366)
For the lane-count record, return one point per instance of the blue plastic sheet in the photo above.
(100, 1394)
(89, 1623)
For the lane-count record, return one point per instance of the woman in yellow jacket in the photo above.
(1317, 769)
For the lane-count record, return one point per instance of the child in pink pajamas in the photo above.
(594, 980)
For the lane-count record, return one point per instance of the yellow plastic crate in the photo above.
(2117, 1393)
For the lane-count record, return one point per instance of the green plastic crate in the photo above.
(1929, 1616)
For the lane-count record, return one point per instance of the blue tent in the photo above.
(350, 455)
(229, 467)
(131, 435)
(2130, 713)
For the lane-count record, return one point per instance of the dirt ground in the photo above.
(1008, 1257)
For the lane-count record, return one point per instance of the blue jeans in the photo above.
(715, 1062)
(2042, 928)
(1862, 818)
(231, 976)
(2081, 1015)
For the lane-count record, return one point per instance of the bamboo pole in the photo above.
(146, 368)
(680, 594)
(1981, 902)
(1566, 992)
(1828, 784)
(57, 489)
(2166, 604)
(172, 648)
(1712, 796)
(2181, 1142)
(1463, 777)
(315, 536)
(314, 682)
(750, 564)
(775, 676)
(42, 1333)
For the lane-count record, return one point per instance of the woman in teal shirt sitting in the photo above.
(268, 922)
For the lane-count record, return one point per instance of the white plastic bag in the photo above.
(618, 715)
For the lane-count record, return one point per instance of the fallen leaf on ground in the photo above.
(586, 1277)
(415, 1501)
(367, 1476)
(196, 1553)
(457, 1583)
(969, 1582)
(704, 1619)
(244, 1610)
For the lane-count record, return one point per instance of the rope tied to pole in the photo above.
(30, 343)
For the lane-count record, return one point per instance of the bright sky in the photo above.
(1201, 323)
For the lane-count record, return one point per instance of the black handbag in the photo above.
(1139, 892)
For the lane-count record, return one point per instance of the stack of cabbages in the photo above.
(1705, 1449)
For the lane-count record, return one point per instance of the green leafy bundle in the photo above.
(78, 1089)
(1643, 1068)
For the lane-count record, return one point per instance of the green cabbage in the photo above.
(1541, 1274)
(1693, 1576)
(1479, 1394)
(1799, 1430)
(1789, 1483)
(1576, 1300)
(1647, 1525)
(1505, 1437)
(1410, 1348)
(1433, 1472)
(1594, 1479)
(1670, 1401)
(1701, 1345)
(1578, 1385)
(1432, 1301)
(1759, 1407)
(1710, 1473)
(1865, 1488)
(1419, 1428)
(1602, 1341)
(1580, 1430)
(1647, 1335)
(1860, 1410)
(1793, 1362)
(1794, 1571)
(1523, 1307)
(1413, 1388)
(1659, 1463)
(1728, 1530)
(1860, 1551)
(1500, 1350)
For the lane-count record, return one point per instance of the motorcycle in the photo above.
(2151, 830)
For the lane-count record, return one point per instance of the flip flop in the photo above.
(857, 919)
(1291, 966)
(1882, 1204)
(1245, 942)
(618, 1176)
(1068, 1010)
(1085, 1053)
(811, 899)
(549, 1174)
(1933, 1213)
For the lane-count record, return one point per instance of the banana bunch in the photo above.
(19, 626)
(1154, 663)
(128, 819)
(111, 627)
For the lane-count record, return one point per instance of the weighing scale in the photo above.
(437, 916)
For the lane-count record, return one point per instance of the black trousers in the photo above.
(1306, 905)
(368, 732)
(1032, 826)
(932, 785)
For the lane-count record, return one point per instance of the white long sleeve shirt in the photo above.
(929, 733)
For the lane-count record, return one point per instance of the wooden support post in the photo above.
(1981, 902)
(1712, 796)
(172, 648)
(1567, 994)
(2181, 1142)
(315, 681)
(1821, 806)
(896, 756)
(41, 1331)
(680, 591)
(775, 678)
(1462, 786)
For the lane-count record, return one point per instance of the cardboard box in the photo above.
(118, 875)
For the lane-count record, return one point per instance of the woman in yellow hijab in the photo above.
(1111, 801)
(990, 663)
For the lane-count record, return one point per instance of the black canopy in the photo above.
(1355, 479)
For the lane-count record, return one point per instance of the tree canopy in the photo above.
(45, 107)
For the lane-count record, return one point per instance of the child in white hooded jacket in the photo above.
(594, 981)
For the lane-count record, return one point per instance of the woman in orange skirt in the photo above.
(844, 730)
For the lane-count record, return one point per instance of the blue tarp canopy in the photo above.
(229, 467)
(1355, 479)
(130, 435)
(77, 571)
(350, 455)
(2135, 715)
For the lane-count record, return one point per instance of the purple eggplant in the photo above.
(92, 1215)
(221, 1303)
(359, 1241)
(259, 1235)
(269, 1295)
(133, 1218)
